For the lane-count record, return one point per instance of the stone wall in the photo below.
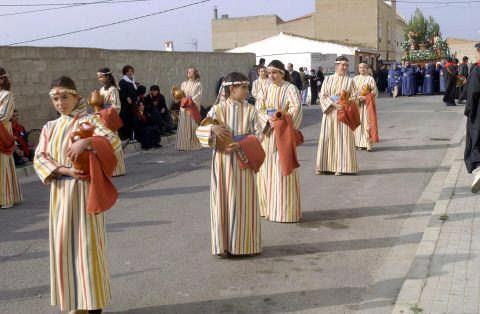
(31, 69)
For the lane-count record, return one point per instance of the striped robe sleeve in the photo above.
(115, 99)
(6, 107)
(255, 89)
(44, 165)
(352, 88)
(197, 94)
(295, 107)
(325, 101)
(373, 85)
(102, 130)
(204, 132)
(262, 117)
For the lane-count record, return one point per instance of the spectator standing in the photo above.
(294, 76)
(463, 71)
(451, 72)
(320, 78)
(382, 78)
(128, 95)
(10, 192)
(313, 78)
(304, 89)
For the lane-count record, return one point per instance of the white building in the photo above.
(305, 52)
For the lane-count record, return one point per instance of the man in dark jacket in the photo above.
(313, 78)
(296, 79)
(463, 71)
(128, 96)
(451, 72)
(472, 111)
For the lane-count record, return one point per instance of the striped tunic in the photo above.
(79, 276)
(279, 195)
(10, 192)
(362, 138)
(111, 97)
(259, 87)
(336, 147)
(235, 219)
(186, 139)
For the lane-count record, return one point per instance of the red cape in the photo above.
(111, 119)
(254, 152)
(372, 117)
(102, 194)
(349, 114)
(287, 139)
(7, 142)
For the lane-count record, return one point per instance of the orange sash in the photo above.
(102, 194)
(287, 139)
(111, 119)
(349, 114)
(7, 141)
(372, 117)
(189, 106)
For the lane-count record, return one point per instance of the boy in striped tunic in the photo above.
(79, 276)
(279, 194)
(336, 147)
(192, 87)
(10, 192)
(362, 133)
(235, 219)
(111, 98)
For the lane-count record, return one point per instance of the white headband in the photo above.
(106, 73)
(339, 62)
(60, 90)
(235, 83)
(275, 68)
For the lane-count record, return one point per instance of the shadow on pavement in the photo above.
(170, 191)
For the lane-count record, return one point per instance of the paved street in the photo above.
(350, 254)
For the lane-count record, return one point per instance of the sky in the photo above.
(187, 26)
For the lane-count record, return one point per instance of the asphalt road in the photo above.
(349, 255)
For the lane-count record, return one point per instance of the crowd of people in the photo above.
(307, 82)
(447, 77)
(253, 130)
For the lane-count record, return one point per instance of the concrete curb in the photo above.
(415, 281)
(27, 174)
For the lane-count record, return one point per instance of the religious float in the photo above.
(423, 41)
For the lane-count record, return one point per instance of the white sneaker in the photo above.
(476, 181)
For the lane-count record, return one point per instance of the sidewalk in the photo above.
(445, 274)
